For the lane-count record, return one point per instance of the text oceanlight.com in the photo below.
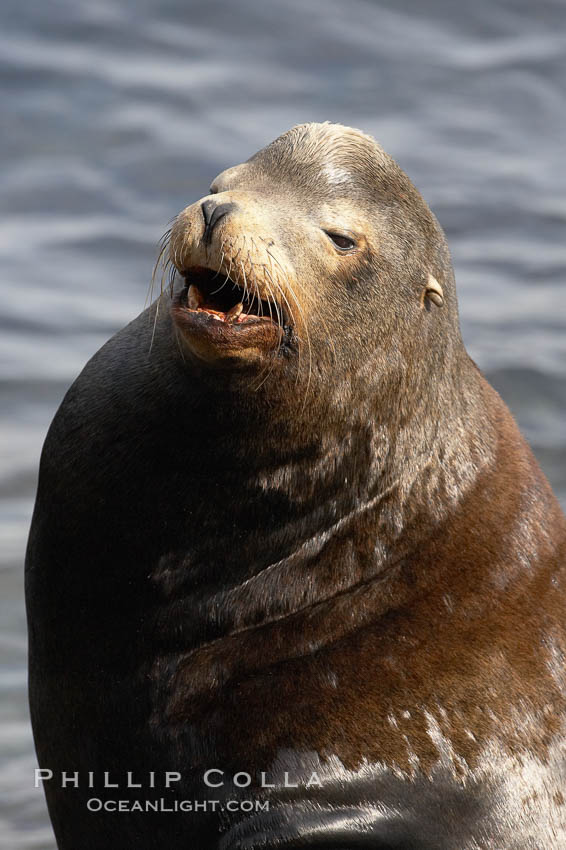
(95, 804)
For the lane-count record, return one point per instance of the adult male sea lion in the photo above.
(286, 530)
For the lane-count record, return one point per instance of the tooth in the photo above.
(234, 312)
(194, 297)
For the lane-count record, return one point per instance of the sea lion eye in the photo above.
(344, 243)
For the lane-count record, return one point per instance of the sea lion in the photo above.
(286, 530)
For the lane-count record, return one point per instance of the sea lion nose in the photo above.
(212, 212)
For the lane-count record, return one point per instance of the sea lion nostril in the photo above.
(212, 212)
(208, 208)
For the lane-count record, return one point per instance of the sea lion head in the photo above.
(315, 262)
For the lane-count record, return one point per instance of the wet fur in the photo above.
(356, 566)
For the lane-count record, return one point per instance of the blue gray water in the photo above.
(115, 115)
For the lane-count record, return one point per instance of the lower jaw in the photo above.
(216, 341)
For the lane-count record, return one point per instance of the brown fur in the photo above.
(327, 540)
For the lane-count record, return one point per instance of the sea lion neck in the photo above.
(349, 443)
(335, 528)
(250, 432)
(303, 514)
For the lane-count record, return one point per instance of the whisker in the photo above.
(221, 259)
(245, 280)
(157, 303)
(275, 302)
(179, 344)
(302, 315)
(317, 311)
(164, 243)
(172, 275)
(222, 285)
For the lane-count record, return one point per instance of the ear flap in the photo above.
(433, 291)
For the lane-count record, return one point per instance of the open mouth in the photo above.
(208, 292)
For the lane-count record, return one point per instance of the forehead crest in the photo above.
(333, 151)
(336, 146)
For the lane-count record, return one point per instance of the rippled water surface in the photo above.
(116, 115)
